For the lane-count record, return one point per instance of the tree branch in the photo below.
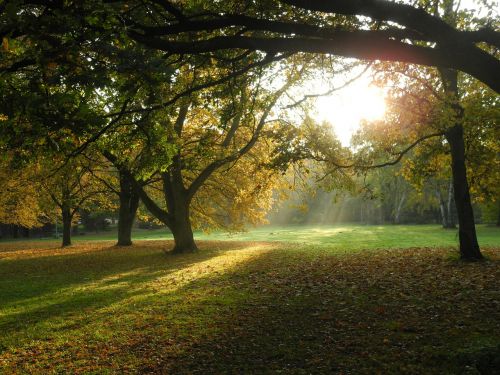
(400, 156)
(367, 46)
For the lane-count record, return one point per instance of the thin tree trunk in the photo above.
(399, 206)
(129, 202)
(469, 247)
(66, 219)
(450, 223)
(498, 216)
(442, 210)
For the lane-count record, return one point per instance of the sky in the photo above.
(347, 107)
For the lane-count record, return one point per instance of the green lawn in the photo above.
(345, 237)
(308, 306)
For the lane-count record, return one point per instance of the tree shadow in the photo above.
(38, 288)
(280, 310)
(302, 313)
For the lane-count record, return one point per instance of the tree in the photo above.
(423, 106)
(196, 150)
(363, 29)
(122, 186)
(429, 170)
(19, 200)
(57, 57)
(70, 185)
(329, 27)
(129, 203)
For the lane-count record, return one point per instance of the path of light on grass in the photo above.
(165, 282)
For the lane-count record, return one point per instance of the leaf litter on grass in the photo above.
(256, 308)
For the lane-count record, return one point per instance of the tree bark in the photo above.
(442, 209)
(66, 219)
(446, 210)
(469, 247)
(450, 222)
(178, 203)
(129, 202)
(498, 215)
(183, 233)
(399, 206)
(176, 217)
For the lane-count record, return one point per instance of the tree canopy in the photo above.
(175, 93)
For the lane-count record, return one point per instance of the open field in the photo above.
(252, 306)
(342, 237)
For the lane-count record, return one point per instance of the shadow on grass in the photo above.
(281, 310)
(294, 312)
(46, 287)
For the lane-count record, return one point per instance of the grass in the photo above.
(252, 306)
(345, 237)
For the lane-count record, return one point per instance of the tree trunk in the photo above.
(498, 216)
(446, 209)
(399, 206)
(178, 202)
(450, 222)
(176, 217)
(129, 202)
(66, 219)
(469, 247)
(182, 231)
(442, 209)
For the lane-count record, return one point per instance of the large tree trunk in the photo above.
(181, 223)
(183, 234)
(66, 219)
(469, 247)
(129, 202)
(176, 217)
(178, 202)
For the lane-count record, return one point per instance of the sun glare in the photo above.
(346, 108)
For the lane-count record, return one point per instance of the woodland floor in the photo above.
(246, 307)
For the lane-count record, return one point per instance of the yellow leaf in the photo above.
(5, 44)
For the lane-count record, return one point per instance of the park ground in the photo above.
(300, 300)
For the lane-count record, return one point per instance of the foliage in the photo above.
(20, 202)
(72, 185)
(417, 106)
